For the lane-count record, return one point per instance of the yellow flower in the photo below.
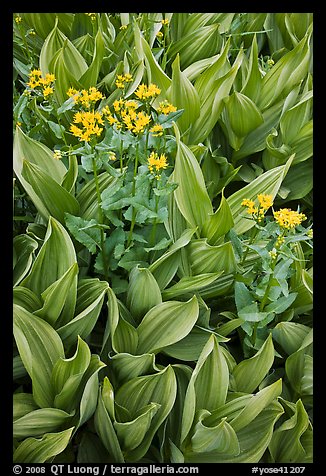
(123, 27)
(288, 219)
(159, 34)
(117, 105)
(47, 91)
(273, 254)
(156, 163)
(32, 32)
(57, 154)
(18, 123)
(121, 79)
(72, 92)
(156, 130)
(165, 108)
(18, 19)
(35, 72)
(90, 122)
(310, 233)
(145, 92)
(165, 21)
(265, 201)
(112, 155)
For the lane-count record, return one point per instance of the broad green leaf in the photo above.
(39, 347)
(38, 422)
(113, 318)
(191, 195)
(23, 403)
(135, 394)
(296, 117)
(91, 449)
(143, 292)
(252, 84)
(125, 338)
(67, 375)
(43, 23)
(285, 446)
(190, 284)
(256, 404)
(88, 307)
(286, 73)
(220, 438)
(290, 335)
(57, 255)
(268, 183)
(132, 433)
(198, 44)
(243, 114)
(204, 258)
(219, 223)
(34, 450)
(251, 313)
(190, 347)
(295, 364)
(281, 304)
(56, 295)
(250, 372)
(24, 248)
(126, 366)
(51, 198)
(90, 76)
(158, 327)
(212, 102)
(71, 175)
(183, 95)
(208, 385)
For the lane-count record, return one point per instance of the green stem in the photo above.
(134, 212)
(29, 57)
(101, 218)
(253, 234)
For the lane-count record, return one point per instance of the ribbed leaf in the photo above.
(90, 77)
(250, 372)
(38, 422)
(243, 114)
(191, 195)
(134, 395)
(204, 258)
(43, 23)
(165, 324)
(86, 196)
(143, 292)
(290, 335)
(220, 438)
(127, 366)
(57, 255)
(219, 223)
(33, 450)
(67, 375)
(55, 200)
(208, 385)
(296, 362)
(24, 247)
(252, 84)
(23, 403)
(39, 347)
(190, 284)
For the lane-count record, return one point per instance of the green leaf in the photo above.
(249, 373)
(290, 335)
(208, 385)
(243, 114)
(23, 403)
(24, 247)
(204, 258)
(285, 446)
(295, 364)
(190, 284)
(90, 77)
(281, 304)
(134, 395)
(67, 375)
(220, 438)
(38, 422)
(252, 84)
(39, 347)
(126, 366)
(88, 307)
(143, 292)
(33, 450)
(219, 223)
(158, 329)
(87, 232)
(57, 255)
(191, 195)
(56, 295)
(52, 198)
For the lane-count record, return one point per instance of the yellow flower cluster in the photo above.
(91, 15)
(18, 19)
(157, 163)
(123, 27)
(165, 108)
(156, 130)
(122, 79)
(85, 98)
(89, 122)
(165, 21)
(36, 80)
(57, 154)
(126, 117)
(147, 92)
(265, 202)
(288, 219)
